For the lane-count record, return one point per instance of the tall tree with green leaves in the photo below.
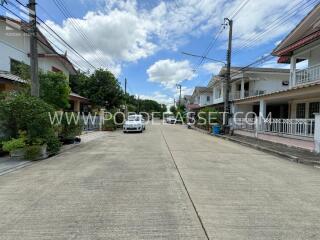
(54, 89)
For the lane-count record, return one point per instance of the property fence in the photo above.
(91, 123)
(295, 127)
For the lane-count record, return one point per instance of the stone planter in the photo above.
(18, 154)
(32, 153)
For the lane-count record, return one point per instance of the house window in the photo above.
(314, 107)
(56, 70)
(208, 98)
(301, 110)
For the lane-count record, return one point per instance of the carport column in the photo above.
(242, 88)
(263, 109)
(262, 114)
(317, 133)
(293, 69)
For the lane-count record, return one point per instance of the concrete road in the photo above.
(127, 186)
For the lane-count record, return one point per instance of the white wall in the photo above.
(18, 40)
(203, 99)
(268, 82)
(314, 57)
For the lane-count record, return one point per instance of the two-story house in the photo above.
(294, 122)
(202, 96)
(15, 51)
(246, 83)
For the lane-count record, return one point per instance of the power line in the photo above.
(239, 9)
(55, 33)
(275, 24)
(22, 21)
(75, 25)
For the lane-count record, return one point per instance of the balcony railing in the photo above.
(237, 94)
(308, 75)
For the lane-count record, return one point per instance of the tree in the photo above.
(54, 89)
(102, 88)
(173, 109)
(78, 82)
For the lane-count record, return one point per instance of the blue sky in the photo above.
(142, 40)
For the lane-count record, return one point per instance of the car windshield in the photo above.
(133, 118)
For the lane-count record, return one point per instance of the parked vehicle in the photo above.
(171, 120)
(135, 123)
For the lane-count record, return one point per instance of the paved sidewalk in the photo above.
(293, 153)
(8, 165)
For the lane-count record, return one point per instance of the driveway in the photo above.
(168, 183)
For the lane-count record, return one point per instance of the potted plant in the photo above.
(70, 128)
(15, 147)
(26, 126)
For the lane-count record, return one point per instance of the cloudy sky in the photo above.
(142, 40)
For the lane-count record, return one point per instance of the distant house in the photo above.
(15, 52)
(202, 96)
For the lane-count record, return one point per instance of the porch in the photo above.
(286, 117)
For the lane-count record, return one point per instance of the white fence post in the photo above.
(317, 133)
(257, 123)
(101, 118)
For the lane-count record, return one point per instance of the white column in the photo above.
(317, 133)
(242, 88)
(293, 68)
(263, 109)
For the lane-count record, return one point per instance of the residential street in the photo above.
(126, 186)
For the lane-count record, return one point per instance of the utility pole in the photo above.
(228, 72)
(179, 86)
(35, 86)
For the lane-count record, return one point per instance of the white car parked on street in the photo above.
(171, 120)
(135, 123)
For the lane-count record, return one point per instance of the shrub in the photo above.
(54, 145)
(32, 152)
(71, 126)
(109, 125)
(13, 144)
(20, 112)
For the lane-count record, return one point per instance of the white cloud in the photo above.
(213, 68)
(159, 97)
(125, 31)
(169, 72)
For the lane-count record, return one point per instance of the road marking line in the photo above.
(185, 187)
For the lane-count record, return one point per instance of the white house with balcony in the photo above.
(202, 96)
(247, 83)
(293, 108)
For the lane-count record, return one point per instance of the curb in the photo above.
(289, 157)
